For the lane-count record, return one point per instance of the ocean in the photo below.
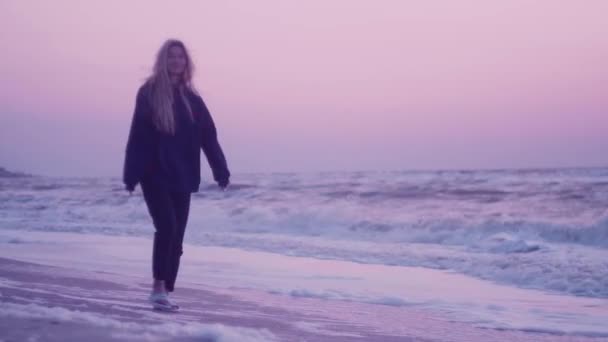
(532, 229)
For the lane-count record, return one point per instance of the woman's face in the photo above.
(176, 61)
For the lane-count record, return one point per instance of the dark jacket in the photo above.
(173, 161)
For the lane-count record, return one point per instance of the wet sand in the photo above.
(49, 303)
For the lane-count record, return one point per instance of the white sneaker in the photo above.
(160, 301)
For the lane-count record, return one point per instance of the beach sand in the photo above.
(50, 303)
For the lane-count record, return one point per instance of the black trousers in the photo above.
(169, 211)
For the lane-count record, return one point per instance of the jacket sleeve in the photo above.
(212, 149)
(138, 143)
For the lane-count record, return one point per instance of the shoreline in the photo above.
(59, 304)
(100, 282)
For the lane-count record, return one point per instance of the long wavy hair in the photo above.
(161, 89)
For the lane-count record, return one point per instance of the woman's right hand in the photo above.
(223, 184)
(130, 188)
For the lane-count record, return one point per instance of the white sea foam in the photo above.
(205, 332)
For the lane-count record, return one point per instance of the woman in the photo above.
(170, 126)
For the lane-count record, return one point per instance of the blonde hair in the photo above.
(160, 90)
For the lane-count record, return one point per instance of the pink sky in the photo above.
(314, 85)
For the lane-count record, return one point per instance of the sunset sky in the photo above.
(314, 85)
